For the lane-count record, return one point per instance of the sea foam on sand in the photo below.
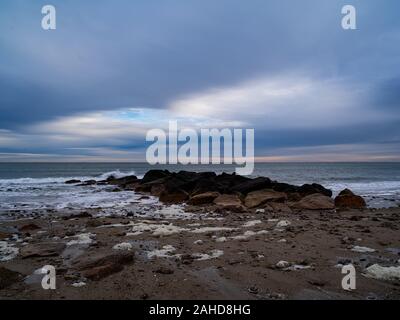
(7, 251)
(383, 273)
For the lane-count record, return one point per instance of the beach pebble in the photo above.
(199, 242)
(79, 284)
(123, 246)
(282, 264)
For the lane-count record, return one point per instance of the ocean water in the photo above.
(41, 185)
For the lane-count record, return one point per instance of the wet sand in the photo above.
(201, 255)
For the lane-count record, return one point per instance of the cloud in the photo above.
(111, 71)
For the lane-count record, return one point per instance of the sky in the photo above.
(112, 70)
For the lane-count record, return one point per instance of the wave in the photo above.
(116, 174)
(54, 180)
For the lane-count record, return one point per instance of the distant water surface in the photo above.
(41, 185)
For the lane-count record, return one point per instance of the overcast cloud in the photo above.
(114, 69)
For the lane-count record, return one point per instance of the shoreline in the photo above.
(252, 249)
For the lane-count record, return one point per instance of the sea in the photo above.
(30, 186)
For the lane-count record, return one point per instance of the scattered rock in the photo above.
(316, 201)
(253, 185)
(308, 189)
(8, 277)
(177, 196)
(28, 227)
(102, 265)
(282, 264)
(257, 198)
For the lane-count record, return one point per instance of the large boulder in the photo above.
(252, 185)
(226, 182)
(316, 201)
(122, 181)
(229, 202)
(203, 198)
(284, 187)
(260, 197)
(44, 249)
(348, 200)
(152, 175)
(307, 189)
(157, 189)
(177, 196)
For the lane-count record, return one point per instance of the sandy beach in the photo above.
(273, 249)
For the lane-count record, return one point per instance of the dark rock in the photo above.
(102, 265)
(28, 227)
(152, 175)
(87, 183)
(252, 185)
(177, 196)
(346, 192)
(8, 277)
(284, 187)
(307, 189)
(123, 181)
(72, 181)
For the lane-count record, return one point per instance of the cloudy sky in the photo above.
(90, 90)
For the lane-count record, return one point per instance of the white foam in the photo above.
(82, 239)
(123, 246)
(7, 251)
(156, 229)
(204, 256)
(283, 224)
(116, 174)
(78, 284)
(362, 249)
(383, 273)
(165, 252)
(252, 223)
(211, 229)
(249, 234)
(297, 267)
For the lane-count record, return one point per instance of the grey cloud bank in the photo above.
(112, 70)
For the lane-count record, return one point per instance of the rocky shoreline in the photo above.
(208, 237)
